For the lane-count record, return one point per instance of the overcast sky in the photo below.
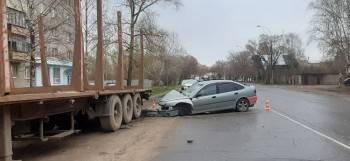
(209, 29)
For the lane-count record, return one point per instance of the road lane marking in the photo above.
(312, 130)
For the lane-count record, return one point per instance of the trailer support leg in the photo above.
(5, 134)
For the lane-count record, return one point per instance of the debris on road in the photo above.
(160, 113)
(189, 141)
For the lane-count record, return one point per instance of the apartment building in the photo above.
(58, 20)
(18, 42)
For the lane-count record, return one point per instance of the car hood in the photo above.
(173, 95)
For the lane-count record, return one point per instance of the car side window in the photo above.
(226, 87)
(207, 90)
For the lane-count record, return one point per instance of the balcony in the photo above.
(17, 30)
(19, 56)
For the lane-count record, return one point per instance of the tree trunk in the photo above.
(271, 63)
(272, 78)
(86, 26)
(32, 45)
(32, 60)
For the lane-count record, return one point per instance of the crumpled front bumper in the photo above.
(161, 113)
(252, 100)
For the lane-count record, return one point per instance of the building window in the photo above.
(18, 44)
(27, 73)
(16, 18)
(56, 75)
(14, 70)
(13, 46)
(54, 52)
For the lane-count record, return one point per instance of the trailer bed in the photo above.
(25, 98)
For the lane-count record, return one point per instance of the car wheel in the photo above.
(113, 119)
(242, 105)
(137, 106)
(128, 109)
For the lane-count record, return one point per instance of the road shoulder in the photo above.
(140, 142)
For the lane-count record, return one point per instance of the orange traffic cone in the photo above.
(267, 106)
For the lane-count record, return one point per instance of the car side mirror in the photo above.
(198, 95)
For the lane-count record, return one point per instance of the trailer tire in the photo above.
(113, 120)
(127, 108)
(137, 106)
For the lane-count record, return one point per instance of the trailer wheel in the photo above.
(113, 120)
(127, 109)
(137, 106)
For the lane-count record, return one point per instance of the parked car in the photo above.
(347, 81)
(185, 84)
(208, 96)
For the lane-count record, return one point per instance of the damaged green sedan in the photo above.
(209, 96)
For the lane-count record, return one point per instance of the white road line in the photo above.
(312, 130)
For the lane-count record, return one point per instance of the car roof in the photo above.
(217, 81)
(187, 80)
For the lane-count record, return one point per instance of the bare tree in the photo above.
(331, 28)
(136, 9)
(219, 69)
(271, 47)
(259, 60)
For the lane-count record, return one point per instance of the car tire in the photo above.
(137, 106)
(128, 109)
(242, 105)
(113, 120)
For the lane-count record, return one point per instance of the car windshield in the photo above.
(193, 89)
(188, 81)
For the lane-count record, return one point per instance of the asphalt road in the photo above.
(302, 126)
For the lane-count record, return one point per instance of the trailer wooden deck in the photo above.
(25, 98)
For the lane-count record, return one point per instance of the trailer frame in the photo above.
(30, 103)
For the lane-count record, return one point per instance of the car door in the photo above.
(227, 95)
(205, 99)
(239, 90)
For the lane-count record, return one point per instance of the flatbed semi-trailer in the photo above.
(53, 112)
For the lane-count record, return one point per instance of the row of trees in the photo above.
(330, 27)
(259, 60)
(166, 61)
